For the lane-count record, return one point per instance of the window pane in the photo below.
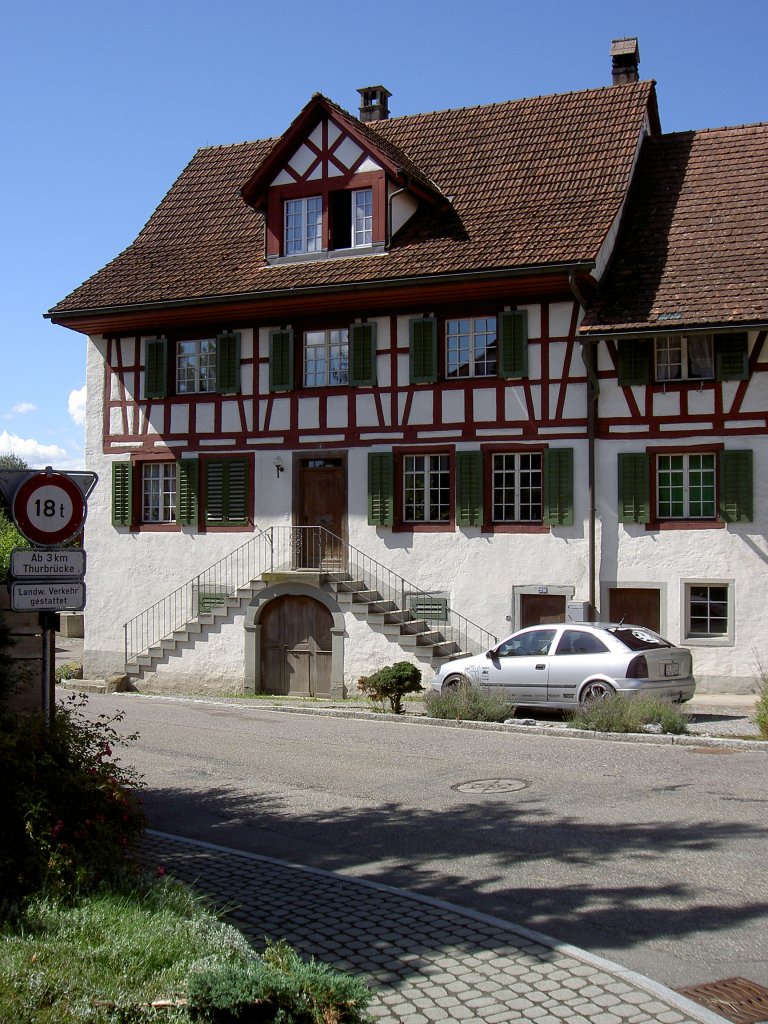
(426, 488)
(159, 492)
(326, 357)
(362, 217)
(195, 366)
(708, 610)
(471, 347)
(517, 487)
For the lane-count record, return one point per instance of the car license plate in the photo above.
(672, 669)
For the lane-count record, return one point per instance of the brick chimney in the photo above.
(373, 103)
(625, 57)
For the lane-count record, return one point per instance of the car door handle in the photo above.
(539, 667)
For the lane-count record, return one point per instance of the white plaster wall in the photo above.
(737, 553)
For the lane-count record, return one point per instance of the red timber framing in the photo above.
(520, 409)
(727, 413)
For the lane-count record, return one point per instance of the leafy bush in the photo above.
(392, 684)
(277, 986)
(468, 704)
(621, 714)
(71, 810)
(761, 712)
(69, 671)
(10, 538)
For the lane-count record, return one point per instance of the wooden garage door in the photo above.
(538, 608)
(296, 647)
(639, 606)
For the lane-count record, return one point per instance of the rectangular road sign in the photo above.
(57, 566)
(48, 597)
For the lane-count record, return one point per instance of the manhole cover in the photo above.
(490, 786)
(736, 999)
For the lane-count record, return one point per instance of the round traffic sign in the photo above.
(49, 509)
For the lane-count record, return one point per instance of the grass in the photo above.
(619, 714)
(467, 704)
(121, 949)
(107, 958)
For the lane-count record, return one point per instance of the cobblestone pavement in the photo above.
(428, 961)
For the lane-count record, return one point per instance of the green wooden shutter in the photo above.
(226, 492)
(513, 343)
(281, 360)
(558, 487)
(228, 362)
(423, 347)
(634, 488)
(469, 488)
(362, 354)
(122, 493)
(633, 359)
(186, 492)
(156, 368)
(731, 361)
(381, 501)
(736, 486)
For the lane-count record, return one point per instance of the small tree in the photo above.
(392, 684)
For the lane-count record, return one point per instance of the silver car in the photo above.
(564, 664)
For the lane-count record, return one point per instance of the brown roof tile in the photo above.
(693, 247)
(531, 182)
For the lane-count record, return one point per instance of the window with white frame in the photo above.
(158, 492)
(471, 347)
(196, 366)
(686, 486)
(326, 358)
(517, 487)
(684, 357)
(303, 225)
(708, 611)
(362, 217)
(426, 489)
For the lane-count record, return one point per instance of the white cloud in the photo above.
(76, 406)
(19, 410)
(35, 454)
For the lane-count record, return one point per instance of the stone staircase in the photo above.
(429, 640)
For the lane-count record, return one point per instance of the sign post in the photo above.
(49, 509)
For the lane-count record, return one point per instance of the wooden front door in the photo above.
(538, 608)
(296, 647)
(321, 501)
(639, 606)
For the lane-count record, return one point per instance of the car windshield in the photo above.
(637, 638)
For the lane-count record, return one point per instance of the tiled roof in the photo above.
(531, 182)
(693, 247)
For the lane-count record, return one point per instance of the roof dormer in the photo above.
(325, 188)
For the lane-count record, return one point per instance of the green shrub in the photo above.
(392, 684)
(468, 704)
(622, 714)
(69, 671)
(761, 711)
(71, 811)
(10, 538)
(277, 986)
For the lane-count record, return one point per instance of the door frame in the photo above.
(295, 588)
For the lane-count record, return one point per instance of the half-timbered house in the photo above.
(385, 387)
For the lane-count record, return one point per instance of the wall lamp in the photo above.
(279, 467)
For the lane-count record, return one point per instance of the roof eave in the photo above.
(62, 316)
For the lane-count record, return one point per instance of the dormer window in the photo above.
(303, 225)
(350, 218)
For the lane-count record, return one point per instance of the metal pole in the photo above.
(49, 622)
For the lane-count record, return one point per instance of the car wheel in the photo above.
(455, 684)
(595, 691)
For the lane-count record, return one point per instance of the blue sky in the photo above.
(105, 102)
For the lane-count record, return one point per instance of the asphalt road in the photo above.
(653, 856)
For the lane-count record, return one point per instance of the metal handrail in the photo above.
(305, 549)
